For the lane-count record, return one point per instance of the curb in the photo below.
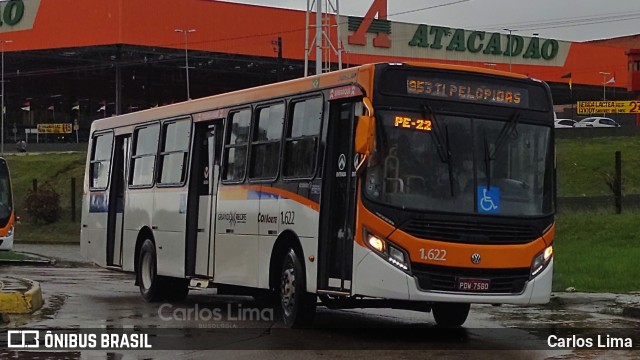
(19, 296)
(37, 260)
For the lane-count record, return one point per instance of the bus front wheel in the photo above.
(450, 314)
(148, 279)
(298, 306)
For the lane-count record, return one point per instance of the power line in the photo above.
(429, 7)
(565, 22)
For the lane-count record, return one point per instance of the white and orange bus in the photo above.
(402, 185)
(7, 211)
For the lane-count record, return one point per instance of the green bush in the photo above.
(43, 205)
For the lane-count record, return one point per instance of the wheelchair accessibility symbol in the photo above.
(488, 200)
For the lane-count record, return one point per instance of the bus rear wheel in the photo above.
(298, 306)
(450, 315)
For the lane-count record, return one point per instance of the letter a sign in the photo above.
(379, 7)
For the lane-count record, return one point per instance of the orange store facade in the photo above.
(72, 55)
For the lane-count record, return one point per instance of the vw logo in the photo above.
(475, 258)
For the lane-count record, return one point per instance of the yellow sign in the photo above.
(54, 128)
(409, 123)
(608, 107)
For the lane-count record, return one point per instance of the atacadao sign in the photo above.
(378, 36)
(16, 15)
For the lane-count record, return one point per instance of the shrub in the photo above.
(43, 205)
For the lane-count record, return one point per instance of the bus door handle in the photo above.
(154, 227)
(201, 230)
(229, 231)
(85, 225)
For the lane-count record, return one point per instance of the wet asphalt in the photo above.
(80, 296)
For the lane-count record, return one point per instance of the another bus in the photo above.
(401, 185)
(7, 213)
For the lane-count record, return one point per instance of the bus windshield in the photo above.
(6, 203)
(461, 164)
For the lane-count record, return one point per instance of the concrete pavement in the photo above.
(627, 305)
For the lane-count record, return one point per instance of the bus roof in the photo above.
(362, 75)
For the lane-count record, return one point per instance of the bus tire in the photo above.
(298, 307)
(450, 315)
(151, 285)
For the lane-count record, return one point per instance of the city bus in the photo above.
(7, 212)
(394, 185)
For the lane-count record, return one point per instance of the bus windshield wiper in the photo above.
(507, 129)
(443, 145)
(487, 160)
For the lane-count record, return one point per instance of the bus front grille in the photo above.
(471, 233)
(442, 278)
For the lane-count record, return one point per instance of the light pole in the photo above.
(2, 42)
(186, 54)
(510, 45)
(604, 84)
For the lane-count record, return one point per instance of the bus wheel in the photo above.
(450, 314)
(298, 306)
(151, 285)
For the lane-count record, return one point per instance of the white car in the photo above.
(596, 121)
(564, 123)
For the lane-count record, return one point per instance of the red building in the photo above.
(68, 59)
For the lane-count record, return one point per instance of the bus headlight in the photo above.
(393, 254)
(397, 257)
(541, 261)
(10, 232)
(376, 243)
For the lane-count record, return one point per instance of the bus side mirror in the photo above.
(365, 131)
(364, 134)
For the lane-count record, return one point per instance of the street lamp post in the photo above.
(186, 55)
(604, 84)
(2, 42)
(510, 45)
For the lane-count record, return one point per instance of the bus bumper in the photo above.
(377, 278)
(6, 242)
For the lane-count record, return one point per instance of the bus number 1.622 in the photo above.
(433, 254)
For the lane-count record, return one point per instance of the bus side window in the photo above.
(265, 146)
(235, 156)
(144, 154)
(301, 143)
(100, 161)
(174, 152)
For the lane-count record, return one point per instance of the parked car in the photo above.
(564, 123)
(597, 121)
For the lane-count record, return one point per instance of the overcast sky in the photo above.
(572, 20)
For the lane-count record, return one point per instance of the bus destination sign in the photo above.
(468, 91)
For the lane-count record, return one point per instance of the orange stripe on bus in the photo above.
(241, 192)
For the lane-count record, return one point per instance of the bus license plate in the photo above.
(466, 284)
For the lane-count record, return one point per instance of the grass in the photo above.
(597, 252)
(583, 165)
(10, 255)
(56, 170)
(594, 251)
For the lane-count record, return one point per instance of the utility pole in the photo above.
(604, 84)
(510, 45)
(2, 42)
(186, 55)
(280, 62)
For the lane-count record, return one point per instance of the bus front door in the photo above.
(337, 210)
(117, 191)
(201, 203)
